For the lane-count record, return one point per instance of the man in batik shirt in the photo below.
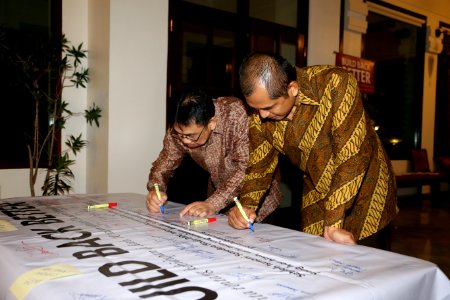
(215, 134)
(316, 118)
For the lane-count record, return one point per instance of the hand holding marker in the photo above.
(238, 204)
(158, 194)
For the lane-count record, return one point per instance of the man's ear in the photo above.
(293, 89)
(212, 123)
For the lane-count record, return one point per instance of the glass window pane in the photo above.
(25, 28)
(194, 57)
(264, 43)
(395, 107)
(222, 59)
(288, 51)
(223, 38)
(282, 12)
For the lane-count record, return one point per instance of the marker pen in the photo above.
(158, 194)
(238, 204)
(110, 204)
(201, 221)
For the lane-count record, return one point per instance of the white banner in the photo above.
(55, 248)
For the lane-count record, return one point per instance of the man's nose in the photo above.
(264, 113)
(185, 140)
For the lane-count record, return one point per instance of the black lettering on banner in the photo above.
(50, 233)
(107, 251)
(141, 266)
(29, 215)
(158, 286)
(15, 215)
(40, 222)
(8, 206)
(86, 243)
(104, 251)
(207, 294)
(33, 218)
(14, 210)
(106, 268)
(166, 275)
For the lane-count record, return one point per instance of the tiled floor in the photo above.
(422, 230)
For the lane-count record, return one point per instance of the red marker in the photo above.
(201, 221)
(110, 204)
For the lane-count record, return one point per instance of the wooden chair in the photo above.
(420, 161)
(421, 174)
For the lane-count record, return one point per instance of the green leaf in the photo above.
(80, 78)
(59, 180)
(76, 144)
(93, 114)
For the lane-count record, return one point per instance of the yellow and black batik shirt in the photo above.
(348, 179)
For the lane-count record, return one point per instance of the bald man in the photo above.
(316, 118)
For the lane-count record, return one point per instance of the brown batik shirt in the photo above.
(224, 156)
(348, 181)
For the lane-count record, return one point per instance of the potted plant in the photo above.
(45, 73)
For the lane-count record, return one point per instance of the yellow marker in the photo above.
(201, 221)
(158, 194)
(110, 204)
(238, 204)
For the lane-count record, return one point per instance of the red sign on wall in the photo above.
(362, 69)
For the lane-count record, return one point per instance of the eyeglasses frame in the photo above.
(183, 136)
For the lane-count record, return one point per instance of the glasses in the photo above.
(187, 137)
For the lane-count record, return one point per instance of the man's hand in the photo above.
(198, 209)
(237, 220)
(153, 203)
(338, 235)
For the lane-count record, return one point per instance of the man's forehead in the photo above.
(189, 127)
(260, 96)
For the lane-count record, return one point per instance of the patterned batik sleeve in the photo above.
(236, 162)
(262, 164)
(168, 160)
(350, 154)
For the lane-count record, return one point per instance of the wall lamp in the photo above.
(439, 31)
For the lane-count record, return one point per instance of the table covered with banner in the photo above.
(55, 248)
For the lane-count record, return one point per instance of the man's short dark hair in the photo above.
(194, 107)
(269, 70)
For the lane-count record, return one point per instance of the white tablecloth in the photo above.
(54, 248)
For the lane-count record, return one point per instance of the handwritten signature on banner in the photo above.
(213, 247)
(73, 236)
(35, 250)
(338, 266)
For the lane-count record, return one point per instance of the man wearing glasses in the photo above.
(215, 134)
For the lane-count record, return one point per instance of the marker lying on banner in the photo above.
(201, 221)
(110, 204)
